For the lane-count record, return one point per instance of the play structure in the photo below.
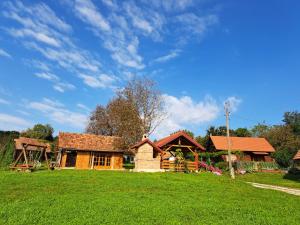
(29, 153)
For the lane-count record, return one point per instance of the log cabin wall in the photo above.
(84, 160)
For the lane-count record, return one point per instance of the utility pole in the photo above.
(231, 170)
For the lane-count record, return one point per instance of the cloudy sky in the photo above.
(59, 59)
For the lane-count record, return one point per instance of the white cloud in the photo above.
(9, 122)
(4, 53)
(84, 107)
(58, 113)
(3, 101)
(88, 12)
(172, 5)
(173, 54)
(101, 81)
(184, 111)
(58, 84)
(234, 103)
(196, 24)
(63, 86)
(47, 76)
(42, 37)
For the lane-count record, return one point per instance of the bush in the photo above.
(222, 165)
(250, 166)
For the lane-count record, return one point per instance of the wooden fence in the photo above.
(178, 167)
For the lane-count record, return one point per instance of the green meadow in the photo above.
(107, 197)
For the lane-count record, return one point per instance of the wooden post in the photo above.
(231, 170)
(196, 161)
(18, 158)
(25, 157)
(46, 158)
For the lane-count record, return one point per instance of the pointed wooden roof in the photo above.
(176, 135)
(297, 156)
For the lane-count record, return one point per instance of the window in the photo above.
(102, 160)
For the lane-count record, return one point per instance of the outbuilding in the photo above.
(89, 151)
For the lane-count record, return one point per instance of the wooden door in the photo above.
(102, 161)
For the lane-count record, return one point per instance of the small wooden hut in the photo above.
(296, 160)
(89, 151)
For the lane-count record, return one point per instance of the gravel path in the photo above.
(291, 191)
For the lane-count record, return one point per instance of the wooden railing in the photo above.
(178, 167)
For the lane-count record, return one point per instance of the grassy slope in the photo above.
(94, 197)
(285, 180)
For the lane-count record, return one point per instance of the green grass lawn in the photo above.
(285, 180)
(94, 197)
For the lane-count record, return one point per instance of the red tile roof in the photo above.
(297, 156)
(90, 142)
(243, 144)
(149, 142)
(176, 135)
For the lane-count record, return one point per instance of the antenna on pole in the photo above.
(227, 114)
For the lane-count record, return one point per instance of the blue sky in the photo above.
(59, 59)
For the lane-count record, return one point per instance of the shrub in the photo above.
(222, 165)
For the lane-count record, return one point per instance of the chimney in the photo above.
(145, 136)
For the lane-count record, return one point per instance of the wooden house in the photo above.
(89, 151)
(252, 148)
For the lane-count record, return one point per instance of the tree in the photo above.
(7, 147)
(260, 130)
(148, 101)
(124, 120)
(137, 109)
(39, 131)
(292, 119)
(190, 133)
(118, 118)
(99, 122)
(242, 132)
(285, 142)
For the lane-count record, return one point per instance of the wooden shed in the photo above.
(296, 160)
(89, 151)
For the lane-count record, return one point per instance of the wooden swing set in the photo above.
(29, 154)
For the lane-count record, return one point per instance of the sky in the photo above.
(59, 59)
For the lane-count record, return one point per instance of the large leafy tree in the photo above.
(134, 111)
(39, 131)
(148, 101)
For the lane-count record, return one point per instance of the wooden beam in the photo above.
(46, 158)
(17, 160)
(25, 157)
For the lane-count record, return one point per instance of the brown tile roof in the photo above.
(32, 143)
(243, 144)
(90, 142)
(147, 140)
(172, 137)
(297, 156)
